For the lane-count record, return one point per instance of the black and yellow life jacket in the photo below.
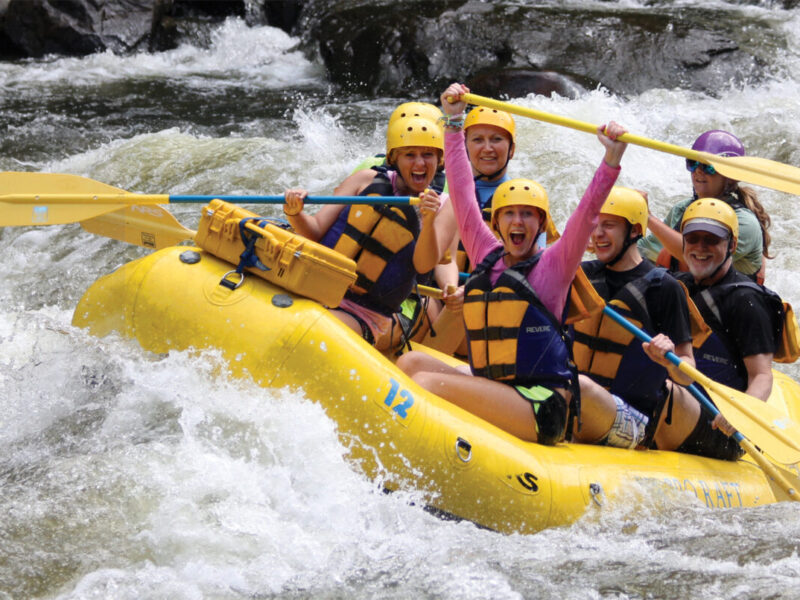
(512, 336)
(612, 356)
(381, 239)
(718, 357)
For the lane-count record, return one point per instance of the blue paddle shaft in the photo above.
(672, 357)
(280, 199)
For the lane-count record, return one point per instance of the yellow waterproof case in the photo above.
(295, 263)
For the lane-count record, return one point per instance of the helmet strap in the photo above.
(627, 243)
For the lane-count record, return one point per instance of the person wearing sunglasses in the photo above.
(663, 245)
(746, 319)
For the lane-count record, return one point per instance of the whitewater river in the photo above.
(129, 475)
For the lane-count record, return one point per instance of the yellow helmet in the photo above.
(480, 115)
(416, 109)
(413, 131)
(628, 204)
(519, 191)
(711, 215)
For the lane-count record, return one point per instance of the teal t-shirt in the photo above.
(748, 255)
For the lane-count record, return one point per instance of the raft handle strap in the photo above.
(248, 258)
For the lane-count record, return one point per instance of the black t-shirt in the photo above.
(666, 304)
(748, 320)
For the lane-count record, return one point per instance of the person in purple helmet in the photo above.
(663, 245)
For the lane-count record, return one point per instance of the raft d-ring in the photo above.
(596, 491)
(463, 450)
(225, 282)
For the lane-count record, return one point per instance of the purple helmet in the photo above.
(720, 143)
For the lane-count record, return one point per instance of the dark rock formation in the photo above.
(373, 47)
(74, 27)
(415, 47)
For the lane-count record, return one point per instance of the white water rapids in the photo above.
(125, 474)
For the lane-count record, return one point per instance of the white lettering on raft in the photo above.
(715, 494)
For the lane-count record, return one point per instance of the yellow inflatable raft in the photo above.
(412, 439)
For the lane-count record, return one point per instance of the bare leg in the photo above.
(685, 413)
(348, 320)
(415, 362)
(383, 343)
(598, 411)
(450, 332)
(495, 402)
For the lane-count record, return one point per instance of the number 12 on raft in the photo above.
(407, 400)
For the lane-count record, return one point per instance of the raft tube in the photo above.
(397, 431)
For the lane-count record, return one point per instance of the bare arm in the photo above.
(447, 274)
(436, 234)
(671, 239)
(309, 226)
(759, 375)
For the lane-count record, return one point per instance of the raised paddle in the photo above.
(758, 171)
(57, 198)
(769, 429)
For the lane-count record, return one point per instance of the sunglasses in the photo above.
(693, 164)
(707, 239)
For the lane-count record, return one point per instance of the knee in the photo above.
(412, 363)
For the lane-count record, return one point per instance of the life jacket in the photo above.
(718, 357)
(612, 356)
(512, 336)
(381, 239)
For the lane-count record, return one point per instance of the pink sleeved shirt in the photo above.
(553, 274)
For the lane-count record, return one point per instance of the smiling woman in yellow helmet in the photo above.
(407, 110)
(522, 377)
(390, 244)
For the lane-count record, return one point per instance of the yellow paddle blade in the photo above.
(58, 198)
(149, 226)
(758, 171)
(782, 481)
(13, 214)
(34, 213)
(769, 429)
